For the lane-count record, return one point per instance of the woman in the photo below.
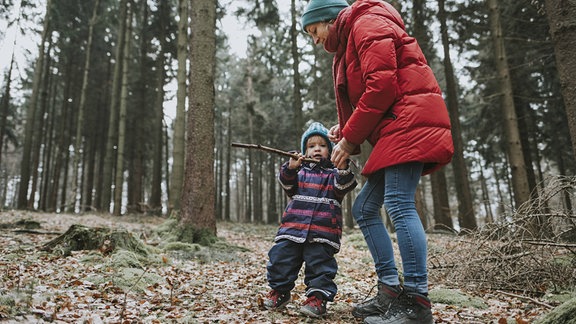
(386, 94)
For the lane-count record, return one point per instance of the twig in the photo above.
(273, 150)
(27, 231)
(542, 243)
(525, 297)
(126, 295)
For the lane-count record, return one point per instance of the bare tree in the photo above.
(466, 215)
(31, 114)
(561, 16)
(520, 185)
(180, 119)
(197, 204)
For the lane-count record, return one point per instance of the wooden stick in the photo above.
(273, 150)
(525, 297)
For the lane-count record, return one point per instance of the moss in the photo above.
(7, 301)
(181, 246)
(561, 297)
(93, 257)
(135, 280)
(455, 297)
(79, 237)
(127, 259)
(172, 231)
(563, 314)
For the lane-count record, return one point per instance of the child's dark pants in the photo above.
(286, 258)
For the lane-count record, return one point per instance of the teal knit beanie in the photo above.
(322, 10)
(316, 129)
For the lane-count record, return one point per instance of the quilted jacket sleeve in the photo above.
(288, 179)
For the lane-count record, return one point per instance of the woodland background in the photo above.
(87, 125)
(129, 109)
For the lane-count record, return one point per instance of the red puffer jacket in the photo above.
(385, 91)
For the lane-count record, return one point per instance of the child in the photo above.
(311, 225)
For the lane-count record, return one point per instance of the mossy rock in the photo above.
(106, 240)
(455, 297)
(563, 314)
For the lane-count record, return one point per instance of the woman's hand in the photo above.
(334, 134)
(340, 154)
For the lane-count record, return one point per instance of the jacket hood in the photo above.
(377, 7)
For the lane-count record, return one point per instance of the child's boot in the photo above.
(314, 306)
(276, 299)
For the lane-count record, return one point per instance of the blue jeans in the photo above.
(395, 188)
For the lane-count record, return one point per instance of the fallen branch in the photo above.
(273, 150)
(526, 298)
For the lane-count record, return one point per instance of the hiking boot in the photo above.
(410, 308)
(378, 304)
(276, 299)
(314, 306)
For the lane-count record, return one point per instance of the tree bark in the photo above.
(197, 209)
(466, 215)
(5, 104)
(155, 200)
(297, 96)
(180, 119)
(520, 185)
(31, 114)
(561, 16)
(111, 138)
(119, 177)
(80, 120)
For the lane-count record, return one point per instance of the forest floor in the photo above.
(224, 285)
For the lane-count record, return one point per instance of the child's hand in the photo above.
(294, 164)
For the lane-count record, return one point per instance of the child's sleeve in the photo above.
(288, 179)
(344, 182)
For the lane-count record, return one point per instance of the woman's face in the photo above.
(318, 31)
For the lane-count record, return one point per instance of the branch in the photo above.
(525, 297)
(273, 150)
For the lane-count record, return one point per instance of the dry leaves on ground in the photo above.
(224, 286)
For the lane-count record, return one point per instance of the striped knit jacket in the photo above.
(314, 212)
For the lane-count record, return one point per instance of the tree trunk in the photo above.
(466, 215)
(520, 185)
(272, 215)
(139, 116)
(39, 131)
(119, 177)
(297, 97)
(155, 200)
(31, 114)
(442, 214)
(5, 104)
(228, 192)
(561, 16)
(80, 120)
(180, 119)
(197, 203)
(111, 138)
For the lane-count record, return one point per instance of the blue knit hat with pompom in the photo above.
(322, 10)
(316, 129)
